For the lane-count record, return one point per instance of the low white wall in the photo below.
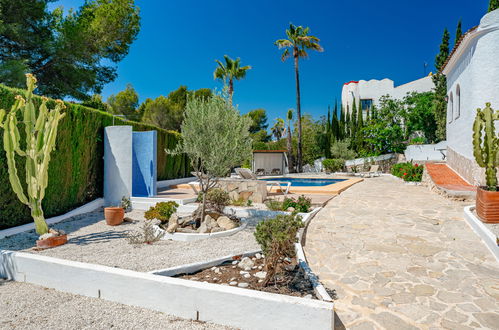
(89, 207)
(488, 238)
(425, 152)
(167, 183)
(243, 308)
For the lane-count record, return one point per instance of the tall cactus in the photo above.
(485, 143)
(41, 133)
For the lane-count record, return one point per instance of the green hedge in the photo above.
(76, 168)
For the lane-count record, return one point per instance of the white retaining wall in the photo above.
(425, 152)
(243, 308)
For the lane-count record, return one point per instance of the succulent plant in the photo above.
(485, 143)
(40, 134)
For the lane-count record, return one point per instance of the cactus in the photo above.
(41, 133)
(485, 144)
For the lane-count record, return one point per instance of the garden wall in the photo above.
(76, 166)
(385, 163)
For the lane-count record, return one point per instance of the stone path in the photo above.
(402, 257)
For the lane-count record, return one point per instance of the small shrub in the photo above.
(148, 234)
(125, 203)
(408, 171)
(276, 238)
(249, 202)
(303, 204)
(333, 165)
(238, 202)
(274, 205)
(217, 199)
(161, 211)
(418, 140)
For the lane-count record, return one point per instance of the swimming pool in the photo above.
(306, 182)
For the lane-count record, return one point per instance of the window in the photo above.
(450, 108)
(458, 101)
(366, 104)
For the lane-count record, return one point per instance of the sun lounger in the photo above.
(260, 171)
(373, 171)
(276, 171)
(247, 174)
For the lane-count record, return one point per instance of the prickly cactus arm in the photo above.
(37, 215)
(491, 148)
(477, 138)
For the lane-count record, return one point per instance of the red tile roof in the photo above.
(351, 82)
(456, 46)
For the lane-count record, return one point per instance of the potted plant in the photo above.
(115, 214)
(40, 128)
(485, 148)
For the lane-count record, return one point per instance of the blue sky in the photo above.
(363, 39)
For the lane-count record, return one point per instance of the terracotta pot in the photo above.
(52, 242)
(487, 205)
(114, 215)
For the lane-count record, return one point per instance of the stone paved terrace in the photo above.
(402, 257)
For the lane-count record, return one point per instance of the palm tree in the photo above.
(289, 118)
(229, 71)
(278, 128)
(299, 41)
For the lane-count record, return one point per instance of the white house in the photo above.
(472, 72)
(368, 93)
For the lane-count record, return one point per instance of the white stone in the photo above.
(243, 285)
(246, 275)
(246, 264)
(46, 236)
(258, 256)
(233, 283)
(226, 223)
(260, 275)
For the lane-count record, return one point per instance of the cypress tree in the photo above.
(360, 125)
(342, 124)
(336, 124)
(493, 5)
(329, 133)
(440, 82)
(459, 32)
(348, 132)
(353, 121)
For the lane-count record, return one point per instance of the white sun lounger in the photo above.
(247, 174)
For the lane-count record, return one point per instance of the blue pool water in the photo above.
(306, 182)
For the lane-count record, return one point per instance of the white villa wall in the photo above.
(474, 67)
(375, 89)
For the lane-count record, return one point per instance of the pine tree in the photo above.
(459, 32)
(440, 82)
(493, 5)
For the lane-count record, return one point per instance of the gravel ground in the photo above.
(28, 306)
(90, 240)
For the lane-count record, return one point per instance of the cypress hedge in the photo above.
(76, 168)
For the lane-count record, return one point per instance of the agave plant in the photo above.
(40, 136)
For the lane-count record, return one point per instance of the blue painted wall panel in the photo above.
(144, 160)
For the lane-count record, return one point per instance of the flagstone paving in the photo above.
(402, 257)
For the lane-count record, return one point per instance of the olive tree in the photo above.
(215, 137)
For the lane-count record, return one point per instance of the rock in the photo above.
(308, 296)
(245, 195)
(213, 215)
(185, 220)
(47, 236)
(258, 256)
(210, 221)
(242, 272)
(172, 223)
(254, 267)
(260, 275)
(226, 223)
(260, 267)
(217, 229)
(290, 209)
(246, 264)
(235, 262)
(232, 279)
(203, 228)
(247, 275)
(243, 285)
(217, 270)
(233, 283)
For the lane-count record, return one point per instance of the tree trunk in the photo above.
(298, 112)
(37, 215)
(231, 90)
(289, 145)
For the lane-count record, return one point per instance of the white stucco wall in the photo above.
(475, 69)
(375, 89)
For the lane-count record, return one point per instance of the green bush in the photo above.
(217, 199)
(333, 165)
(161, 211)
(76, 168)
(301, 205)
(274, 205)
(408, 171)
(276, 238)
(417, 140)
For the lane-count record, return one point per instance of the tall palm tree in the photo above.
(298, 41)
(289, 118)
(230, 71)
(278, 128)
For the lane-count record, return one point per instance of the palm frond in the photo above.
(285, 55)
